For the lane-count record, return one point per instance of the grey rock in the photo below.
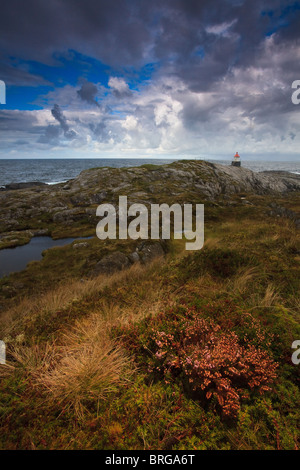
(79, 200)
(12, 224)
(68, 215)
(98, 197)
(246, 202)
(149, 251)
(40, 233)
(134, 257)
(80, 245)
(31, 184)
(112, 263)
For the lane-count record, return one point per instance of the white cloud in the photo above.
(221, 29)
(119, 86)
(130, 123)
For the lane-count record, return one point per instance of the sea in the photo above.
(52, 171)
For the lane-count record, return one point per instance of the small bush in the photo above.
(210, 361)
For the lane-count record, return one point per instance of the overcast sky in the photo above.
(141, 78)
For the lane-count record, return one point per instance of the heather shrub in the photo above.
(212, 363)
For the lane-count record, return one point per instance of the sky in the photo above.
(159, 78)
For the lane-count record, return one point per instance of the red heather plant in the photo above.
(213, 363)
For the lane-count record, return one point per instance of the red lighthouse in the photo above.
(236, 160)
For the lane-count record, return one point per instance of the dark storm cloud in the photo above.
(123, 33)
(58, 115)
(135, 32)
(88, 92)
(104, 29)
(220, 67)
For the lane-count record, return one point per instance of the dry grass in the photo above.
(292, 243)
(212, 243)
(271, 297)
(86, 366)
(67, 293)
(242, 279)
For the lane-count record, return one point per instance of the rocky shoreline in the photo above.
(67, 209)
(27, 185)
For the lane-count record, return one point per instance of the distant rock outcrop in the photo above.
(68, 206)
(29, 184)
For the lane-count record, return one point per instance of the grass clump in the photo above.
(83, 369)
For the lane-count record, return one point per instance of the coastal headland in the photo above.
(140, 344)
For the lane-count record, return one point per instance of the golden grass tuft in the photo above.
(243, 277)
(271, 297)
(85, 367)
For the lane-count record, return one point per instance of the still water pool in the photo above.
(16, 259)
